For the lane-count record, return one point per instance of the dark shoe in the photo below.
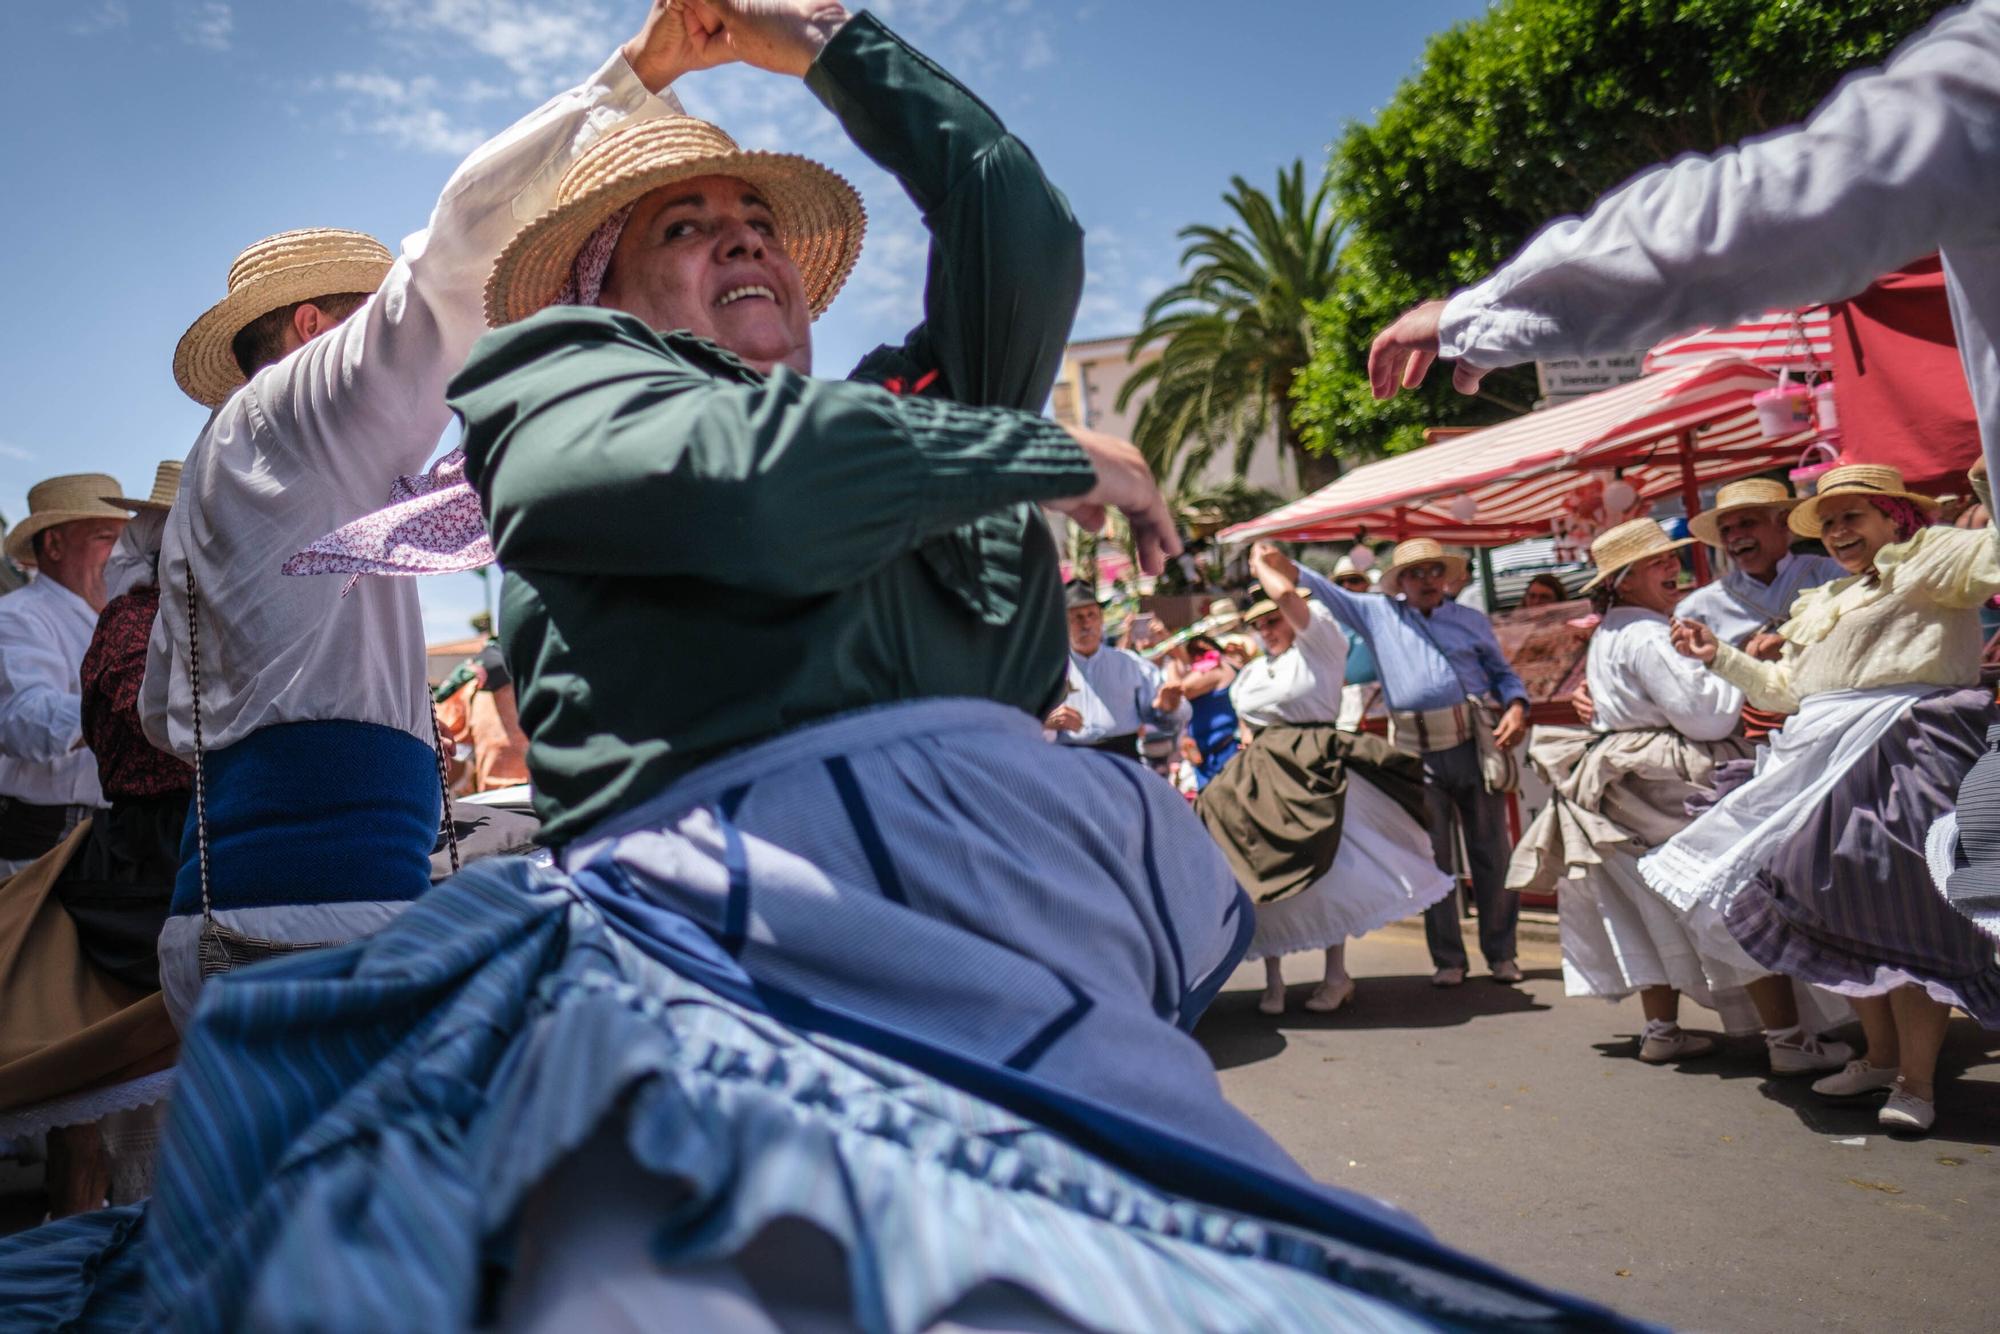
(1507, 972)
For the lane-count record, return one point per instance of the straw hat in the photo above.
(1259, 609)
(272, 274)
(1421, 551)
(1627, 544)
(61, 500)
(166, 485)
(1752, 493)
(820, 218)
(1876, 480)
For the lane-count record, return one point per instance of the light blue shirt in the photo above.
(1114, 693)
(1425, 662)
(1737, 606)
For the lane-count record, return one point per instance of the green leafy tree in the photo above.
(1529, 113)
(1235, 332)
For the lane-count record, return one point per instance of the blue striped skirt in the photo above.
(356, 1134)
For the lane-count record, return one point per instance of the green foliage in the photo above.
(1235, 330)
(1529, 113)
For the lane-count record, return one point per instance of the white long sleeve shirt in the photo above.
(1113, 689)
(316, 440)
(1300, 685)
(44, 632)
(1898, 162)
(1638, 680)
(1737, 606)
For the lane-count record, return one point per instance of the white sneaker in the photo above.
(1905, 1113)
(1807, 1055)
(1858, 1080)
(1664, 1043)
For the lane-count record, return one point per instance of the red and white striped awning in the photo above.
(1518, 473)
(1777, 340)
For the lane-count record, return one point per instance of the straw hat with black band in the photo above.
(1421, 551)
(271, 274)
(1752, 493)
(166, 485)
(61, 500)
(1618, 549)
(1876, 481)
(818, 214)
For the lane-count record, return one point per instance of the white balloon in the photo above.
(1618, 497)
(1362, 557)
(1464, 509)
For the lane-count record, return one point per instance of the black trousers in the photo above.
(1455, 791)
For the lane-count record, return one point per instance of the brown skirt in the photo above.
(1275, 810)
(66, 1025)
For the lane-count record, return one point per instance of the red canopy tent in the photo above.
(1898, 382)
(1671, 432)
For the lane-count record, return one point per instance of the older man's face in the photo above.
(703, 255)
(1424, 585)
(1756, 540)
(1086, 629)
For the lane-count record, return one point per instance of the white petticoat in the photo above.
(1706, 863)
(1619, 936)
(1382, 874)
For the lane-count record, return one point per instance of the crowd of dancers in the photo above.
(843, 974)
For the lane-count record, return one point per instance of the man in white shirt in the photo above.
(313, 698)
(1113, 692)
(1747, 605)
(48, 777)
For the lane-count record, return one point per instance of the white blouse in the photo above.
(1638, 680)
(317, 439)
(1300, 685)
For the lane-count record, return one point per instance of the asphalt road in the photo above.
(1518, 1125)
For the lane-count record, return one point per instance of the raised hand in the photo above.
(1401, 354)
(670, 43)
(1694, 640)
(1126, 484)
(783, 36)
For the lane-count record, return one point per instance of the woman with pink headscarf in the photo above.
(1816, 867)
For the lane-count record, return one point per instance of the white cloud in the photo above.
(209, 25)
(14, 452)
(407, 112)
(541, 45)
(91, 20)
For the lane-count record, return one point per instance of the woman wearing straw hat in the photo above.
(1816, 867)
(1662, 725)
(1325, 829)
(325, 366)
(48, 781)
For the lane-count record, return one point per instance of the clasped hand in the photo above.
(679, 36)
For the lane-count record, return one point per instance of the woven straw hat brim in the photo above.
(206, 369)
(1707, 525)
(128, 503)
(1805, 519)
(1456, 567)
(21, 537)
(166, 485)
(819, 216)
(1608, 571)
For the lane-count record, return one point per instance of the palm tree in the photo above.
(1237, 332)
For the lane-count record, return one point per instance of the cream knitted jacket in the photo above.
(1916, 624)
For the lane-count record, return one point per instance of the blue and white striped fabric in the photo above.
(355, 1132)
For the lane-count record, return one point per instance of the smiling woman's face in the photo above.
(703, 255)
(1853, 531)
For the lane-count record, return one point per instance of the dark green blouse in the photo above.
(698, 556)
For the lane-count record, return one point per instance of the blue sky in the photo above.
(150, 140)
